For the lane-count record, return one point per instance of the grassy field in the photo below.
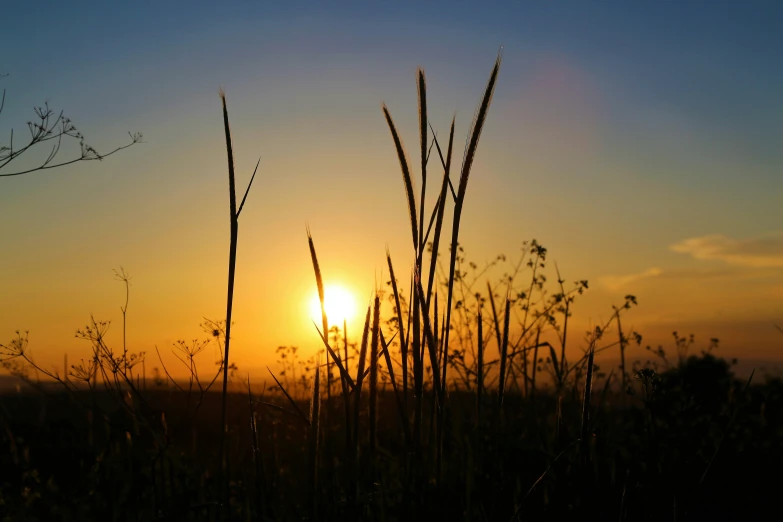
(469, 401)
(694, 443)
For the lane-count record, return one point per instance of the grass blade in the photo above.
(494, 315)
(247, 190)
(585, 441)
(476, 128)
(467, 162)
(432, 344)
(336, 359)
(360, 379)
(313, 432)
(395, 387)
(318, 281)
(441, 207)
(403, 339)
(504, 353)
(422, 88)
(558, 373)
(406, 176)
(346, 393)
(376, 319)
(480, 369)
(232, 258)
(324, 320)
(298, 411)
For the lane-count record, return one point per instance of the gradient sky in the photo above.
(640, 142)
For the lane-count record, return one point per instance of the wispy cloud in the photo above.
(618, 282)
(762, 252)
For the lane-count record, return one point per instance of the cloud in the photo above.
(616, 283)
(763, 252)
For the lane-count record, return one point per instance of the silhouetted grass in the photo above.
(464, 416)
(646, 461)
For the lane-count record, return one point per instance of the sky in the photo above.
(640, 142)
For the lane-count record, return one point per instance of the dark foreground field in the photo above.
(690, 443)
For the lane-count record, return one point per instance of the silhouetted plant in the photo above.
(513, 418)
(51, 128)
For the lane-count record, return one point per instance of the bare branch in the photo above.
(48, 126)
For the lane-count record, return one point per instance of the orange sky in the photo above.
(658, 177)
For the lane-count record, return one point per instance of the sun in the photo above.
(339, 303)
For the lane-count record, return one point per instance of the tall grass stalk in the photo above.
(479, 370)
(406, 176)
(344, 376)
(422, 90)
(535, 363)
(417, 345)
(395, 387)
(403, 339)
(504, 353)
(467, 163)
(417, 342)
(312, 438)
(324, 319)
(420, 302)
(441, 207)
(431, 343)
(360, 380)
(376, 319)
(566, 315)
(232, 258)
(257, 465)
(344, 386)
(585, 432)
(443, 359)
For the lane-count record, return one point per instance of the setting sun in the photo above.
(340, 305)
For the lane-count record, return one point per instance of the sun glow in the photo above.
(339, 303)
